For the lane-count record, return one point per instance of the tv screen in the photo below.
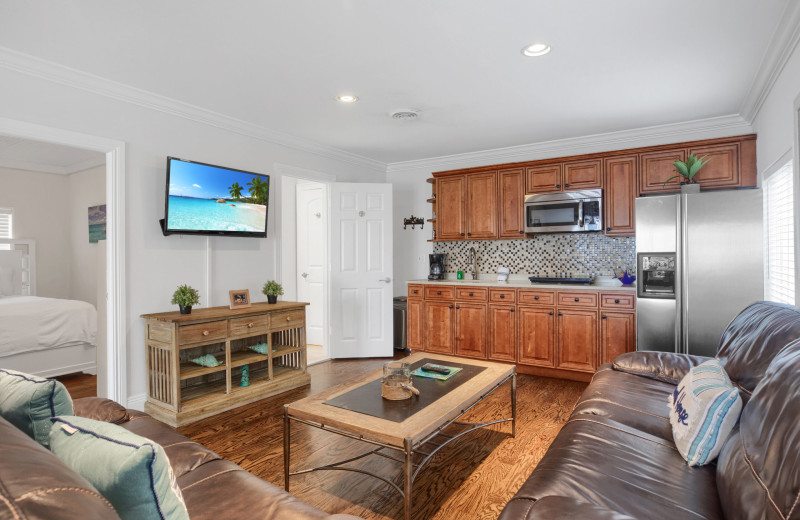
(204, 199)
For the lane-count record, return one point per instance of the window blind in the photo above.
(6, 225)
(779, 236)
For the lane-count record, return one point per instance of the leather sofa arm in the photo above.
(100, 409)
(558, 507)
(662, 366)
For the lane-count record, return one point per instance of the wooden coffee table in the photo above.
(412, 437)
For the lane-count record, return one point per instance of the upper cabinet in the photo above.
(450, 207)
(510, 202)
(543, 179)
(481, 207)
(619, 195)
(582, 175)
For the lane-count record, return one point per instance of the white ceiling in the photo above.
(38, 156)
(615, 65)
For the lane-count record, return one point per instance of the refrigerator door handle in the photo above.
(683, 316)
(580, 214)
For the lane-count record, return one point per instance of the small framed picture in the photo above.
(239, 298)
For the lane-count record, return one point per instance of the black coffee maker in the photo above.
(437, 266)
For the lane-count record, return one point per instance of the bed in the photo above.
(42, 336)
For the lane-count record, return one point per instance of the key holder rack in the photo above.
(413, 221)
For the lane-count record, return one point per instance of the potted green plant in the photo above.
(686, 170)
(272, 289)
(184, 297)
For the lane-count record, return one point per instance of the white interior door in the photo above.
(361, 269)
(311, 256)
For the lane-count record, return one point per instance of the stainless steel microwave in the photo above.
(570, 211)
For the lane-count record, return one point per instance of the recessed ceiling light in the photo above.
(347, 98)
(536, 49)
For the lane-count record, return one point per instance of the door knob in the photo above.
(361, 213)
(387, 280)
(304, 275)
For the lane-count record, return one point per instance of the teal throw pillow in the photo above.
(28, 402)
(132, 472)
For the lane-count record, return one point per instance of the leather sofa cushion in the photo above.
(598, 461)
(35, 484)
(100, 409)
(637, 402)
(549, 508)
(758, 471)
(668, 367)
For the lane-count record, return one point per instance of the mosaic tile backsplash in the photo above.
(558, 254)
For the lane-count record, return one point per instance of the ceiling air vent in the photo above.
(405, 115)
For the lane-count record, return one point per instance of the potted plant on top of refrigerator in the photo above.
(686, 171)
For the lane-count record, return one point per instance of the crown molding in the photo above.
(781, 46)
(50, 168)
(723, 126)
(50, 71)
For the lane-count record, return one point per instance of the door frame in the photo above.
(116, 350)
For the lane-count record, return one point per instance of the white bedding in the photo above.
(31, 323)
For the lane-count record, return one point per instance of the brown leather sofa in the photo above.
(35, 484)
(615, 457)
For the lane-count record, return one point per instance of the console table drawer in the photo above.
(287, 320)
(251, 325)
(471, 293)
(529, 297)
(440, 292)
(203, 332)
(577, 299)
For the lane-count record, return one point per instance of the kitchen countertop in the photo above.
(524, 284)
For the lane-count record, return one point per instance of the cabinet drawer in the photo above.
(577, 299)
(287, 319)
(611, 301)
(529, 297)
(472, 293)
(203, 332)
(415, 291)
(440, 292)
(159, 332)
(502, 295)
(251, 325)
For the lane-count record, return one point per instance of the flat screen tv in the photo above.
(203, 199)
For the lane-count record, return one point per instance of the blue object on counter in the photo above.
(627, 278)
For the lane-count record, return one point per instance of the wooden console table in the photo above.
(180, 392)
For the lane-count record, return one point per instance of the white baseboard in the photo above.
(136, 402)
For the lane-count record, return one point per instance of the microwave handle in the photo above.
(580, 214)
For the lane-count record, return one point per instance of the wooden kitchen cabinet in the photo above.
(543, 179)
(470, 325)
(415, 319)
(481, 205)
(510, 202)
(450, 216)
(617, 334)
(656, 167)
(502, 333)
(439, 331)
(577, 340)
(722, 169)
(537, 336)
(582, 175)
(620, 194)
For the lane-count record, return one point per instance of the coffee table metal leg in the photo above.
(286, 449)
(408, 469)
(514, 405)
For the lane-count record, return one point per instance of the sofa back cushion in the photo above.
(754, 337)
(28, 402)
(758, 470)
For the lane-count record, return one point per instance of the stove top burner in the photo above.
(537, 279)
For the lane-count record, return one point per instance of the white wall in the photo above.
(86, 188)
(157, 264)
(42, 212)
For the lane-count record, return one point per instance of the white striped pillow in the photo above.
(704, 409)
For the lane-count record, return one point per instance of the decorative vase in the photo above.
(272, 298)
(245, 376)
(185, 309)
(690, 188)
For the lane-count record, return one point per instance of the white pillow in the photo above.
(6, 281)
(704, 409)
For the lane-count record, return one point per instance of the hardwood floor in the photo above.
(472, 478)
(80, 384)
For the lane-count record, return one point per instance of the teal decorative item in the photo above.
(206, 361)
(261, 348)
(245, 376)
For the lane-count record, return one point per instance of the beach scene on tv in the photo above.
(203, 198)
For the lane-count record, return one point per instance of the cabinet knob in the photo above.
(603, 316)
(566, 185)
(470, 294)
(616, 301)
(450, 307)
(521, 232)
(415, 291)
(558, 185)
(205, 333)
(468, 234)
(457, 307)
(512, 309)
(535, 297)
(250, 325)
(551, 313)
(559, 313)
(502, 296)
(608, 228)
(577, 299)
(462, 234)
(438, 292)
(288, 318)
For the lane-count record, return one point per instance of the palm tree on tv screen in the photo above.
(236, 190)
(258, 190)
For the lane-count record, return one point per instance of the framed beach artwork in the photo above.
(97, 223)
(239, 298)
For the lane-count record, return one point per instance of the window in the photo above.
(6, 225)
(779, 236)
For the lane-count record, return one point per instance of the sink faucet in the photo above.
(473, 260)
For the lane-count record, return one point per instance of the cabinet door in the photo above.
(617, 335)
(657, 167)
(502, 333)
(511, 204)
(583, 175)
(471, 329)
(619, 195)
(450, 207)
(481, 207)
(439, 336)
(537, 335)
(543, 179)
(722, 170)
(415, 324)
(577, 340)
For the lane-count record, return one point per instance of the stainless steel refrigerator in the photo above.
(699, 263)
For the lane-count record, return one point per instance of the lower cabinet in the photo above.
(502, 333)
(470, 322)
(537, 336)
(577, 340)
(415, 330)
(439, 333)
(617, 334)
